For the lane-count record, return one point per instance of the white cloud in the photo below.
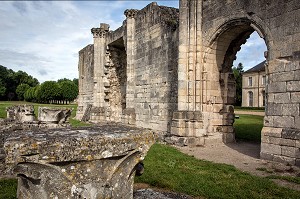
(43, 38)
(252, 52)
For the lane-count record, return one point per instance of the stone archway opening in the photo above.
(221, 83)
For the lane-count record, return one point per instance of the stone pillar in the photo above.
(99, 35)
(190, 56)
(130, 51)
(280, 136)
(83, 163)
(187, 121)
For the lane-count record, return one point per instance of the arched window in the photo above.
(250, 98)
(264, 98)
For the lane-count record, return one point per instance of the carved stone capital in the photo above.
(100, 32)
(130, 13)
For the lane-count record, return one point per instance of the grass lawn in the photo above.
(248, 127)
(8, 188)
(166, 167)
(73, 122)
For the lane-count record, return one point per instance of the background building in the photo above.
(254, 82)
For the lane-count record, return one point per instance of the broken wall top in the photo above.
(84, 144)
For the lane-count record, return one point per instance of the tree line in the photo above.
(21, 86)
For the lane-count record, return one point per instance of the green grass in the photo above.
(166, 167)
(248, 127)
(8, 188)
(286, 178)
(73, 122)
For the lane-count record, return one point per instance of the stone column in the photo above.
(83, 163)
(99, 35)
(130, 51)
(130, 45)
(188, 120)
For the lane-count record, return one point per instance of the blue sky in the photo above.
(43, 38)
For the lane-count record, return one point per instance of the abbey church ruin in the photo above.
(170, 70)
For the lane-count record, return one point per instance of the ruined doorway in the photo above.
(220, 80)
(116, 78)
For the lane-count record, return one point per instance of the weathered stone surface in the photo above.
(94, 162)
(21, 113)
(291, 134)
(54, 115)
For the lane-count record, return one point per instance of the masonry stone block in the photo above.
(293, 86)
(282, 97)
(288, 142)
(284, 121)
(289, 151)
(277, 87)
(266, 156)
(283, 159)
(270, 148)
(291, 134)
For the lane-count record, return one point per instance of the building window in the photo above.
(263, 80)
(264, 98)
(250, 97)
(249, 81)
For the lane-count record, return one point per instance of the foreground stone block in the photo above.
(21, 113)
(54, 115)
(98, 162)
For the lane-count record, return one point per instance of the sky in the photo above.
(43, 38)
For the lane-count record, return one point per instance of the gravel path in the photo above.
(249, 112)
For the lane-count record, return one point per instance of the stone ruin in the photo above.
(169, 70)
(20, 113)
(47, 116)
(98, 162)
(55, 162)
(22, 117)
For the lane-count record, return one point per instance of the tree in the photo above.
(10, 80)
(2, 89)
(69, 90)
(237, 72)
(21, 89)
(75, 80)
(49, 91)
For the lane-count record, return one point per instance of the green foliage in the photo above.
(237, 72)
(21, 90)
(167, 168)
(75, 80)
(10, 80)
(8, 188)
(69, 90)
(48, 91)
(2, 89)
(248, 127)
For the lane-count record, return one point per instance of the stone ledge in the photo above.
(75, 144)
(93, 162)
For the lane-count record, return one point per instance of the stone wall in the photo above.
(155, 93)
(138, 70)
(85, 81)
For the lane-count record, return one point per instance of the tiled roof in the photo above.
(258, 68)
